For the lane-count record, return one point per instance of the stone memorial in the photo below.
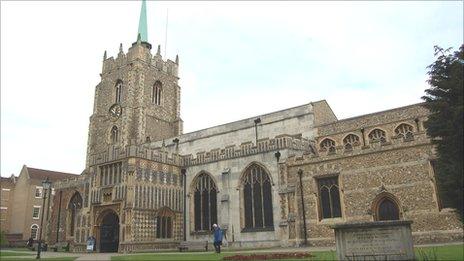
(379, 240)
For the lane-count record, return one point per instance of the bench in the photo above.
(194, 245)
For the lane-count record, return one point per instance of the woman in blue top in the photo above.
(218, 234)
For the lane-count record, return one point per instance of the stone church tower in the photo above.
(137, 99)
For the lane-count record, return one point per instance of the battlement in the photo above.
(163, 155)
(140, 51)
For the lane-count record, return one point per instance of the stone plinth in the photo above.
(381, 240)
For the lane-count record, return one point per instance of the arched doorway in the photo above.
(109, 233)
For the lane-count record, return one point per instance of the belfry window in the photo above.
(114, 135)
(75, 204)
(377, 135)
(156, 93)
(118, 91)
(257, 199)
(405, 131)
(351, 141)
(329, 197)
(164, 221)
(205, 202)
(328, 145)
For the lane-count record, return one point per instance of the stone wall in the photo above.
(398, 168)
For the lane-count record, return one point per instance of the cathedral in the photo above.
(274, 180)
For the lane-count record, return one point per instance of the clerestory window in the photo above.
(405, 131)
(351, 141)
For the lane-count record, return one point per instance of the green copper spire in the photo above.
(143, 23)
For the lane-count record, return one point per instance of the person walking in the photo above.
(218, 234)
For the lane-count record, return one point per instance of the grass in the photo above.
(13, 253)
(450, 252)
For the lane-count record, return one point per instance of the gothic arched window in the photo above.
(351, 141)
(118, 92)
(388, 210)
(329, 196)
(156, 93)
(405, 131)
(328, 145)
(205, 202)
(377, 135)
(114, 135)
(164, 221)
(34, 230)
(75, 204)
(257, 198)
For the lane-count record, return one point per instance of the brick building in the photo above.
(25, 196)
(147, 186)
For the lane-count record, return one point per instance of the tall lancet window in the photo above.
(257, 199)
(118, 91)
(156, 94)
(205, 202)
(114, 135)
(75, 204)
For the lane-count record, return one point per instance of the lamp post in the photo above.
(46, 184)
(300, 173)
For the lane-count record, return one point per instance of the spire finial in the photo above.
(138, 39)
(159, 50)
(142, 32)
(177, 59)
(104, 55)
(120, 48)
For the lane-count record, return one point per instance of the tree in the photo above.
(444, 99)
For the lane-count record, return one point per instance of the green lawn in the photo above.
(12, 253)
(452, 252)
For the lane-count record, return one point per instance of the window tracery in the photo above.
(205, 202)
(328, 145)
(377, 135)
(351, 141)
(405, 131)
(257, 195)
(329, 197)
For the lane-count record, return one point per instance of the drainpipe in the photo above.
(58, 222)
(184, 177)
(300, 173)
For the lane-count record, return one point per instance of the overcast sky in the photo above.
(237, 60)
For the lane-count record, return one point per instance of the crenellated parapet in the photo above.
(248, 148)
(162, 154)
(140, 52)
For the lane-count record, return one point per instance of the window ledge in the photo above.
(329, 221)
(261, 229)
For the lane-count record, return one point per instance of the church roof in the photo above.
(51, 175)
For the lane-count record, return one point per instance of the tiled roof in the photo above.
(42, 174)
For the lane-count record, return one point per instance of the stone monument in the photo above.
(379, 240)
